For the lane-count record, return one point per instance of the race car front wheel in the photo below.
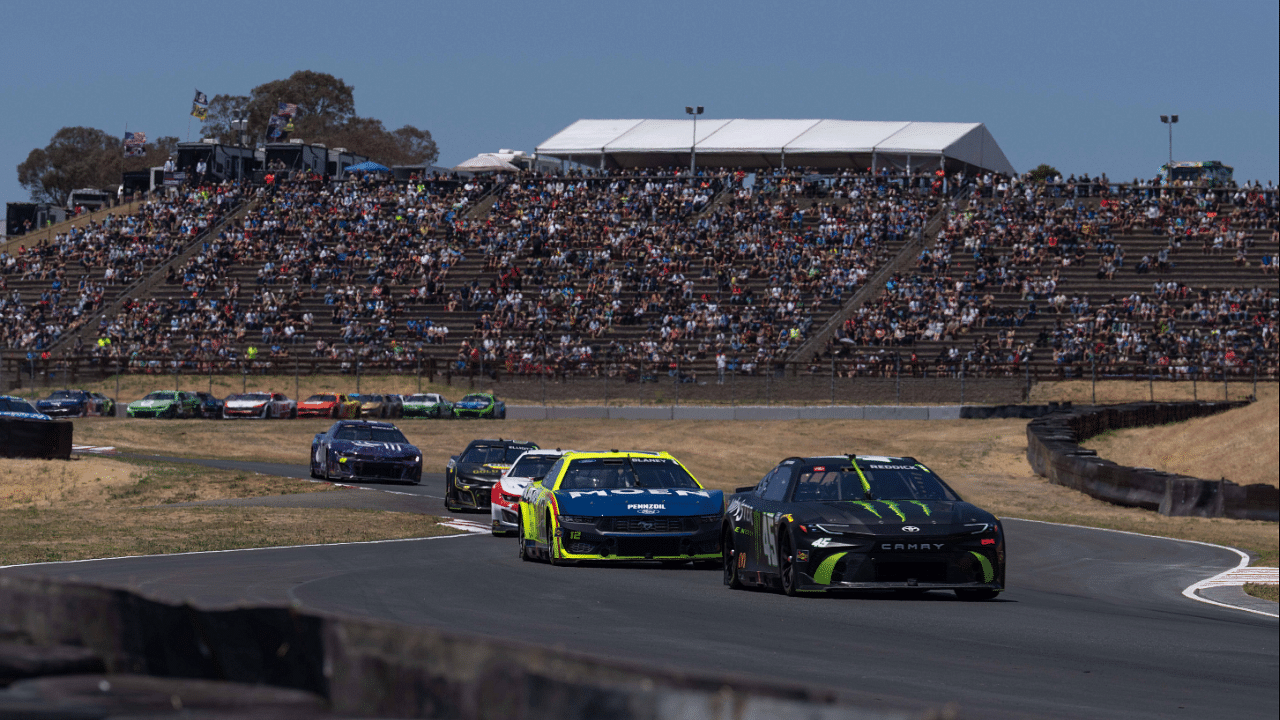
(730, 562)
(524, 550)
(551, 544)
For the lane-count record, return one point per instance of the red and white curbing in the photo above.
(1240, 576)
(470, 526)
(93, 449)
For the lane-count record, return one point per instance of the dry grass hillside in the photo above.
(1241, 445)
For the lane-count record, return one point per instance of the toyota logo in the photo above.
(910, 528)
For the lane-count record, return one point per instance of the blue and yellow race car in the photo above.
(623, 506)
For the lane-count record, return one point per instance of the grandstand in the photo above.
(645, 272)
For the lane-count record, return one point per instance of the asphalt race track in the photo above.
(1094, 623)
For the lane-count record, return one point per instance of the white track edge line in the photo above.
(1189, 591)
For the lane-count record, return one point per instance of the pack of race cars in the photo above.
(175, 404)
(847, 522)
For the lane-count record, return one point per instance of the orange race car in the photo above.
(329, 405)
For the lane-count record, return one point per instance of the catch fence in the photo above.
(834, 382)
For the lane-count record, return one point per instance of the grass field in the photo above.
(1241, 445)
(985, 460)
(100, 507)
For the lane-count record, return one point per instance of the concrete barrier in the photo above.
(895, 412)
(368, 668)
(779, 412)
(1054, 452)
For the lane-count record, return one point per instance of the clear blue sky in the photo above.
(1078, 85)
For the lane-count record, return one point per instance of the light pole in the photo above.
(693, 148)
(1170, 120)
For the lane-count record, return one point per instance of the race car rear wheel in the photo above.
(730, 562)
(976, 594)
(786, 565)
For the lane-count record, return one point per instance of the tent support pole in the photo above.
(873, 162)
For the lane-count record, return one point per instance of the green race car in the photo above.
(427, 405)
(165, 404)
(480, 405)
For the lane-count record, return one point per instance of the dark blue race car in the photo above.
(365, 450)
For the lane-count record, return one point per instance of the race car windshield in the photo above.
(366, 398)
(622, 473)
(420, 399)
(476, 398)
(531, 466)
(16, 405)
(260, 397)
(159, 395)
(321, 398)
(884, 482)
(64, 395)
(493, 454)
(371, 434)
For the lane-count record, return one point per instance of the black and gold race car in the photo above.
(860, 522)
(469, 477)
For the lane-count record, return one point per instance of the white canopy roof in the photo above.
(761, 143)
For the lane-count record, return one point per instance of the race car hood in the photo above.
(485, 472)
(24, 415)
(58, 403)
(369, 450)
(640, 501)
(246, 403)
(515, 485)
(877, 516)
(152, 403)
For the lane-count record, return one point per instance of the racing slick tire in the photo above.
(786, 566)
(293, 414)
(448, 497)
(706, 564)
(731, 578)
(170, 414)
(976, 594)
(524, 550)
(551, 546)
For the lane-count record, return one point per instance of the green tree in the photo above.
(76, 157)
(1043, 171)
(326, 114)
(83, 157)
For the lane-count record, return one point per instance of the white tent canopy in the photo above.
(487, 162)
(774, 143)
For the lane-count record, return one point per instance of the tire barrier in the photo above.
(1054, 452)
(355, 667)
(35, 439)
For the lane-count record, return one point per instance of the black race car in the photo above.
(860, 522)
(470, 476)
(365, 450)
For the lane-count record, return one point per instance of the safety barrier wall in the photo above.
(1054, 452)
(35, 439)
(370, 668)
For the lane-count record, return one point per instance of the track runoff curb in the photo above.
(1234, 576)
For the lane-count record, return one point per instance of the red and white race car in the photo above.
(504, 503)
(265, 405)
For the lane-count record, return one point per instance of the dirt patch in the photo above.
(101, 507)
(985, 460)
(1241, 445)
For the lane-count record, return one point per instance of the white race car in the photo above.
(265, 405)
(504, 503)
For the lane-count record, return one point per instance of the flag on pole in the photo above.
(200, 106)
(288, 109)
(135, 144)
